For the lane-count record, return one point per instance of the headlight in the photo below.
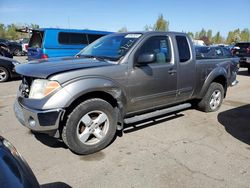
(41, 88)
(12, 149)
(15, 63)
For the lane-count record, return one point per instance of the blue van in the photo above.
(50, 42)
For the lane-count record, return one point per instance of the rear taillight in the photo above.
(44, 56)
(248, 49)
(26, 47)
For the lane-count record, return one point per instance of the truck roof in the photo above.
(154, 32)
(74, 30)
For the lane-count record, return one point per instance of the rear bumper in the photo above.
(37, 120)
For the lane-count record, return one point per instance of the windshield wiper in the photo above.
(100, 58)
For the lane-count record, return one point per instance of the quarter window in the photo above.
(183, 48)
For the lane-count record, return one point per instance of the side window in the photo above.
(93, 37)
(72, 38)
(227, 52)
(159, 46)
(183, 48)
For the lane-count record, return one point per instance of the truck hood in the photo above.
(45, 68)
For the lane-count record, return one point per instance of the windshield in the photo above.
(111, 47)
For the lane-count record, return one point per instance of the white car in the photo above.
(25, 43)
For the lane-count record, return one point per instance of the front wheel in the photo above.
(90, 127)
(212, 100)
(4, 74)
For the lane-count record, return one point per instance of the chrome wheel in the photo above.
(3, 74)
(215, 99)
(92, 127)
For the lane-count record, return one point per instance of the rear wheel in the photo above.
(90, 127)
(4, 74)
(212, 100)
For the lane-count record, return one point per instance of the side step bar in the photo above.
(157, 113)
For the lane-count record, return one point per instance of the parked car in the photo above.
(25, 43)
(15, 48)
(212, 52)
(5, 51)
(14, 170)
(7, 69)
(48, 42)
(120, 78)
(242, 50)
(198, 42)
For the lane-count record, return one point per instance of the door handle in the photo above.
(171, 71)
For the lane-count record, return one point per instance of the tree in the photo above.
(210, 35)
(245, 35)
(202, 33)
(123, 29)
(230, 39)
(161, 24)
(2, 30)
(190, 34)
(11, 32)
(236, 36)
(205, 40)
(34, 26)
(196, 36)
(217, 39)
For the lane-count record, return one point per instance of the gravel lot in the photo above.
(190, 149)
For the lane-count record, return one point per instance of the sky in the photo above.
(112, 15)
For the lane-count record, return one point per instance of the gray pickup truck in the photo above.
(120, 78)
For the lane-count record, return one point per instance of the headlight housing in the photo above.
(40, 88)
(15, 63)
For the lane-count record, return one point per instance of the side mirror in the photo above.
(144, 59)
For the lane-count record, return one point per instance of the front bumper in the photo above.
(38, 120)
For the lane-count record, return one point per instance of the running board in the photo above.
(157, 113)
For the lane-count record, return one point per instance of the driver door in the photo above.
(153, 84)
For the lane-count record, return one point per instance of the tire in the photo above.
(248, 70)
(212, 100)
(4, 74)
(82, 134)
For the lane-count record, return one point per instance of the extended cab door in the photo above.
(154, 83)
(186, 65)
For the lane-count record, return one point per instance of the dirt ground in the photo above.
(190, 149)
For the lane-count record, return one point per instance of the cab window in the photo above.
(159, 46)
(183, 48)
